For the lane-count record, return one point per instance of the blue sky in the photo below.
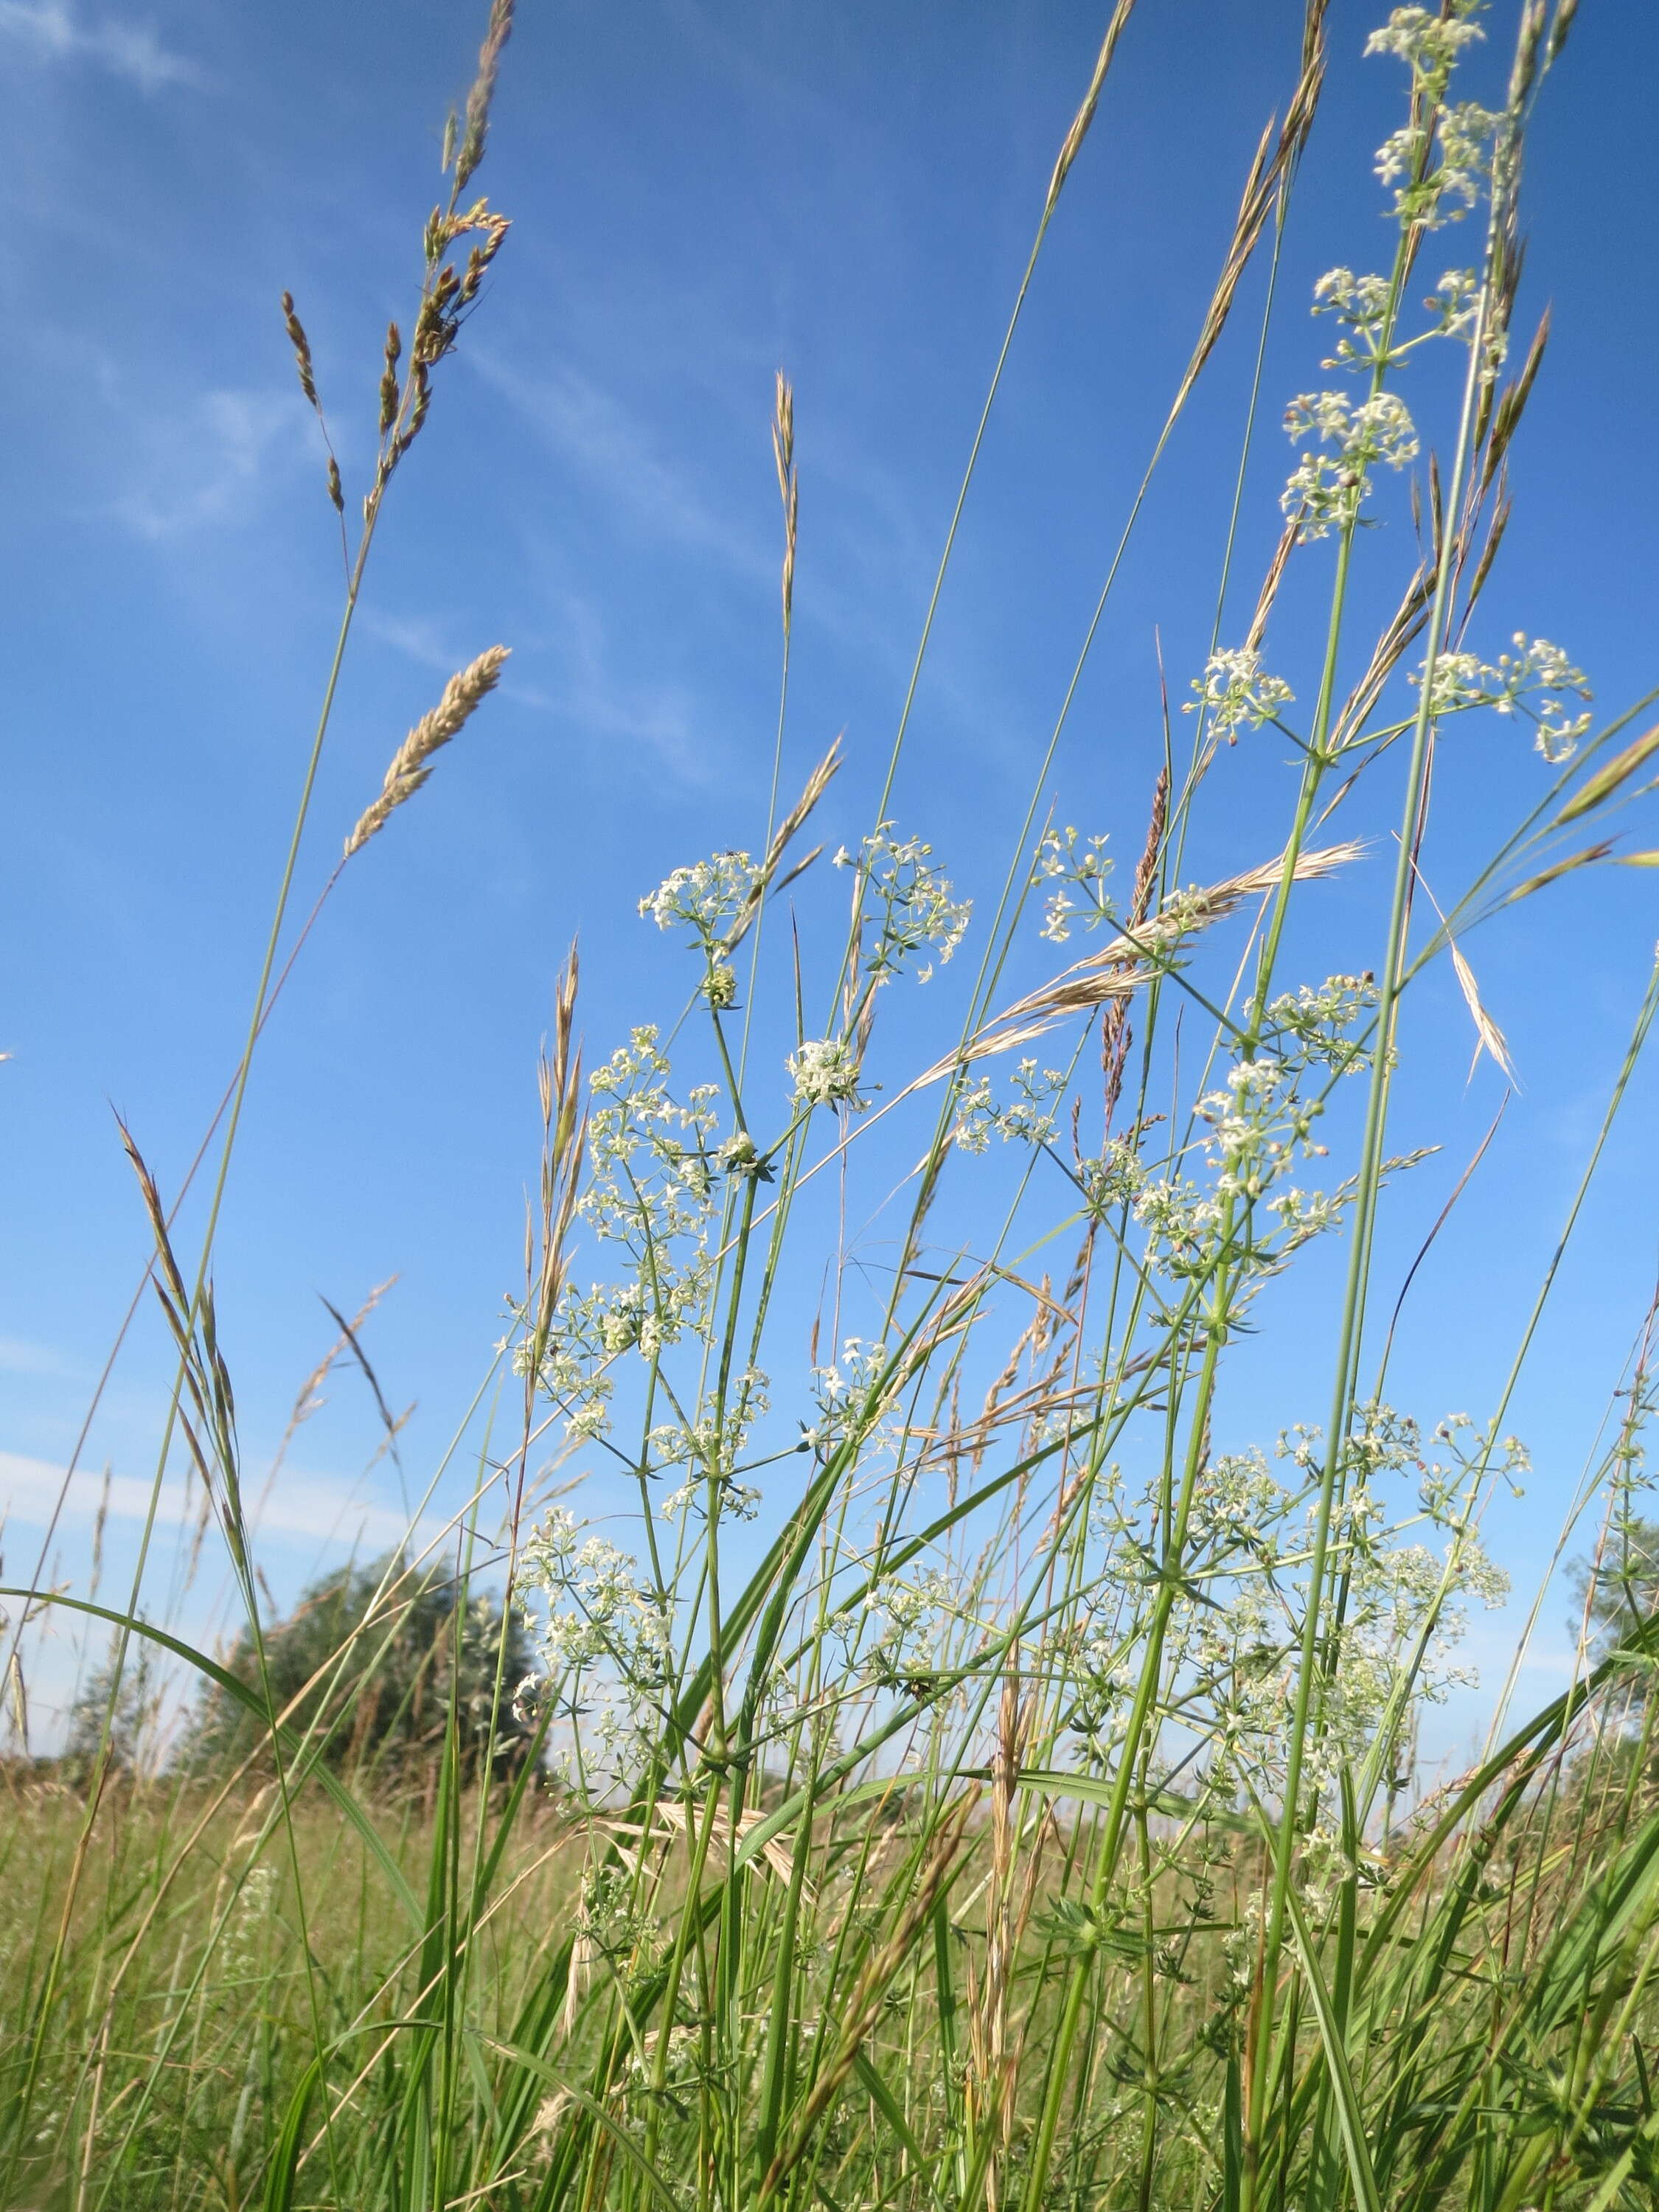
(700, 192)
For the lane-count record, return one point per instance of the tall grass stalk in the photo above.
(973, 1786)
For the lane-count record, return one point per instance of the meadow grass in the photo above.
(974, 1787)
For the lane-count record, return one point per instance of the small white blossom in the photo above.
(907, 904)
(1326, 491)
(1061, 861)
(707, 898)
(1027, 1117)
(1429, 41)
(1533, 679)
(825, 1072)
(1237, 694)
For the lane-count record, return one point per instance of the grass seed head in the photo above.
(301, 345)
(479, 101)
(411, 763)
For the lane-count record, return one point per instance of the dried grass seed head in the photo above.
(476, 129)
(301, 345)
(411, 764)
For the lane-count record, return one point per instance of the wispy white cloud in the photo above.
(18, 1358)
(581, 687)
(300, 1506)
(202, 464)
(415, 636)
(50, 31)
(606, 442)
(597, 698)
(166, 455)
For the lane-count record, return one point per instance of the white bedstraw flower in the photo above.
(908, 903)
(1361, 305)
(706, 899)
(1531, 680)
(1326, 491)
(1453, 173)
(1028, 1116)
(825, 1072)
(1427, 40)
(1238, 694)
(1062, 861)
(1360, 301)
(1453, 302)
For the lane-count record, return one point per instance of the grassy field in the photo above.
(972, 1786)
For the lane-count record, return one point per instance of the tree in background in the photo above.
(372, 1659)
(127, 1709)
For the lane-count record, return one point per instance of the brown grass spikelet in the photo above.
(1618, 770)
(1119, 969)
(444, 304)
(1072, 145)
(476, 127)
(1564, 13)
(816, 784)
(411, 763)
(1260, 191)
(337, 495)
(1270, 584)
(301, 345)
(783, 432)
(1114, 1036)
(783, 452)
(1554, 872)
(394, 346)
(1489, 1038)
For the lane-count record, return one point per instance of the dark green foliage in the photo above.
(372, 1659)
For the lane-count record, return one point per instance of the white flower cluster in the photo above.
(915, 1618)
(1113, 1179)
(608, 1917)
(652, 1190)
(825, 1072)
(908, 903)
(847, 1394)
(243, 1936)
(1533, 679)
(1328, 490)
(707, 899)
(1257, 1124)
(592, 1329)
(1456, 163)
(1027, 1116)
(1361, 305)
(1361, 302)
(709, 1451)
(1235, 694)
(1250, 1543)
(652, 1180)
(1444, 154)
(1453, 302)
(1312, 1025)
(598, 1609)
(1182, 1221)
(1101, 1675)
(606, 1643)
(1062, 861)
(1428, 39)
